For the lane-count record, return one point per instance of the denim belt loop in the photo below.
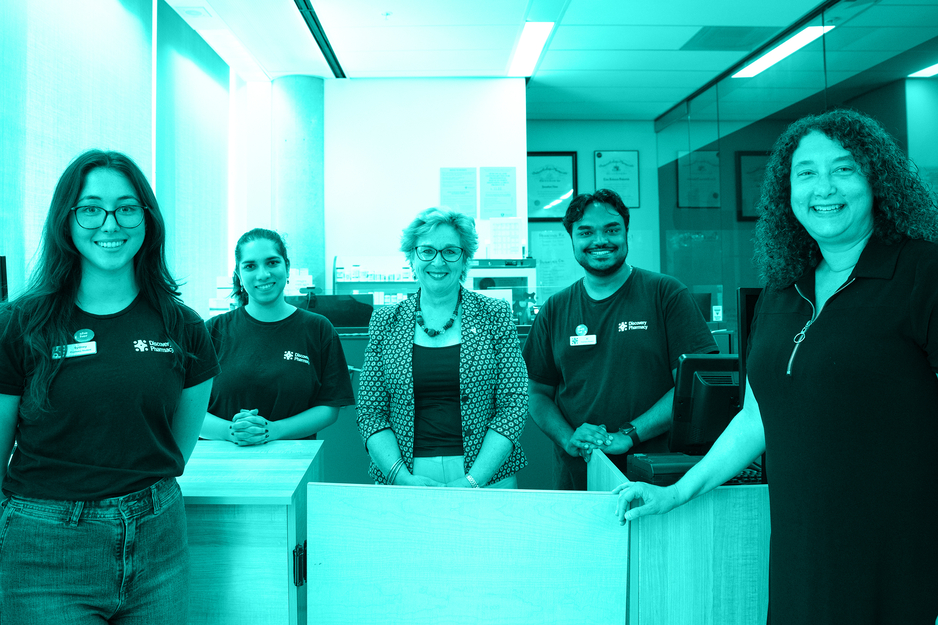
(155, 499)
(74, 512)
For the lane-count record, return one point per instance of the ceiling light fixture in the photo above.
(783, 50)
(928, 72)
(529, 48)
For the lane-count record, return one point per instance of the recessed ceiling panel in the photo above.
(596, 37)
(602, 79)
(639, 59)
(275, 34)
(430, 38)
(688, 12)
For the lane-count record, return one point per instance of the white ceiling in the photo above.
(606, 59)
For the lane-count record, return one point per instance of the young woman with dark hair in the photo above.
(104, 379)
(284, 374)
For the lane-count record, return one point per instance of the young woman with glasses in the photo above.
(104, 380)
(284, 374)
(443, 392)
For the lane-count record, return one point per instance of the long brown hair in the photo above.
(45, 310)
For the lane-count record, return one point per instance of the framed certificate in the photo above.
(750, 169)
(551, 184)
(617, 170)
(698, 179)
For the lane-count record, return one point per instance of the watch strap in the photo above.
(629, 430)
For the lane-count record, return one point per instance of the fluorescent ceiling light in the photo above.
(529, 48)
(928, 72)
(778, 53)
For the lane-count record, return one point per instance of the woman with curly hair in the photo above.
(842, 389)
(104, 380)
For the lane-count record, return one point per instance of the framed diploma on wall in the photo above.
(551, 184)
(698, 179)
(750, 169)
(617, 170)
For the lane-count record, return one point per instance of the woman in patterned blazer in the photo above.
(443, 391)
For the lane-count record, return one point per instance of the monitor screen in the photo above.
(343, 311)
(746, 298)
(706, 398)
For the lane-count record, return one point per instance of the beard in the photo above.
(601, 272)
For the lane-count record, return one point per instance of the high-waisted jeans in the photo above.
(121, 560)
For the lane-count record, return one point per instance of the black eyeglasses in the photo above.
(92, 217)
(449, 254)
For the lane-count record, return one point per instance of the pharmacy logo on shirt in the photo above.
(633, 325)
(296, 356)
(141, 345)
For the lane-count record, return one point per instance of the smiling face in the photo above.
(263, 272)
(600, 240)
(439, 276)
(830, 196)
(110, 248)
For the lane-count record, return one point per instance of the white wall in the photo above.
(386, 140)
(585, 137)
(62, 92)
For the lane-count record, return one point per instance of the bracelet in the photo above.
(392, 474)
(472, 481)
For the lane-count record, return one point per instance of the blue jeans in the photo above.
(120, 560)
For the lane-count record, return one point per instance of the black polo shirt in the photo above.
(851, 428)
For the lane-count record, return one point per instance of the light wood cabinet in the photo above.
(246, 510)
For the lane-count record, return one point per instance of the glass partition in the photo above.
(712, 148)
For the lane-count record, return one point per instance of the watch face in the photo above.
(627, 428)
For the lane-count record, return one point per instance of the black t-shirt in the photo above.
(437, 417)
(110, 429)
(850, 438)
(640, 333)
(280, 368)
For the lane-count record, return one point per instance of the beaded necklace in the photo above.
(449, 324)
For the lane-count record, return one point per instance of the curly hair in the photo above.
(429, 219)
(580, 203)
(902, 205)
(237, 289)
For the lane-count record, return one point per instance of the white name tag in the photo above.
(589, 339)
(75, 349)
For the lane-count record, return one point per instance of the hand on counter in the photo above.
(586, 438)
(249, 428)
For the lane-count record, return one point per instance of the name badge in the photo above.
(589, 339)
(74, 349)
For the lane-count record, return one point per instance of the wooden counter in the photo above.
(429, 556)
(704, 563)
(246, 509)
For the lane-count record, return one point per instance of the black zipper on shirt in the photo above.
(814, 315)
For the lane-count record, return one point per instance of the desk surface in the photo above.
(276, 449)
(221, 473)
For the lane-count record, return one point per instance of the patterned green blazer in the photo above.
(493, 380)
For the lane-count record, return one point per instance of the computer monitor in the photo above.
(343, 311)
(746, 298)
(706, 398)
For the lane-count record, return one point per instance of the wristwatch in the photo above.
(629, 430)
